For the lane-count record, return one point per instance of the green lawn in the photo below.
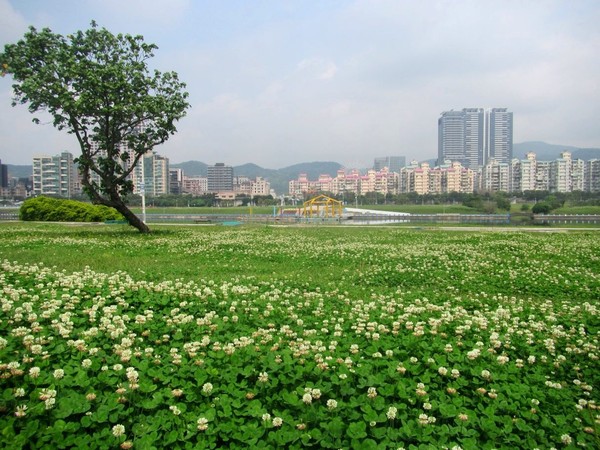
(296, 337)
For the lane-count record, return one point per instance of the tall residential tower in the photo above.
(473, 136)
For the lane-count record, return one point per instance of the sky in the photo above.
(282, 82)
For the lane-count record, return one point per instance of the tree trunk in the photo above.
(131, 218)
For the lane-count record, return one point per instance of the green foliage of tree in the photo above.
(541, 208)
(49, 209)
(97, 86)
(502, 201)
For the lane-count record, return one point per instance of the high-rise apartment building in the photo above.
(176, 177)
(3, 175)
(524, 173)
(495, 177)
(220, 178)
(499, 135)
(55, 175)
(451, 137)
(393, 163)
(151, 174)
(473, 136)
(592, 175)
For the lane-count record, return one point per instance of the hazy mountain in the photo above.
(191, 168)
(279, 179)
(548, 152)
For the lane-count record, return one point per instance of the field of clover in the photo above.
(209, 337)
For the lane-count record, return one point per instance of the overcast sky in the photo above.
(282, 82)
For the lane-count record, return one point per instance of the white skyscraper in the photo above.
(473, 136)
(499, 135)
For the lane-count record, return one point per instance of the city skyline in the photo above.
(281, 83)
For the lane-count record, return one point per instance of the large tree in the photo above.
(97, 86)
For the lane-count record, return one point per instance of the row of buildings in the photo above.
(563, 174)
(58, 175)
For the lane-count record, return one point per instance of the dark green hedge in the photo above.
(49, 209)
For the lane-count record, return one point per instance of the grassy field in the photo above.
(275, 337)
(413, 209)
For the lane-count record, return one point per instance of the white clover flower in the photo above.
(486, 374)
(86, 363)
(175, 410)
(442, 371)
(207, 388)
(118, 430)
(502, 359)
(474, 354)
(36, 349)
(331, 404)
(263, 377)
(315, 393)
(202, 424)
(307, 398)
(58, 374)
(50, 402)
(391, 413)
(372, 392)
(177, 392)
(343, 376)
(277, 421)
(19, 392)
(34, 372)
(566, 439)
(427, 406)
(21, 411)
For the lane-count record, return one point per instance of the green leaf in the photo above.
(448, 410)
(357, 430)
(335, 427)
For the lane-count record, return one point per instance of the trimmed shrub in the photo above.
(541, 208)
(47, 209)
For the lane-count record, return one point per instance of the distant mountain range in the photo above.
(548, 152)
(279, 178)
